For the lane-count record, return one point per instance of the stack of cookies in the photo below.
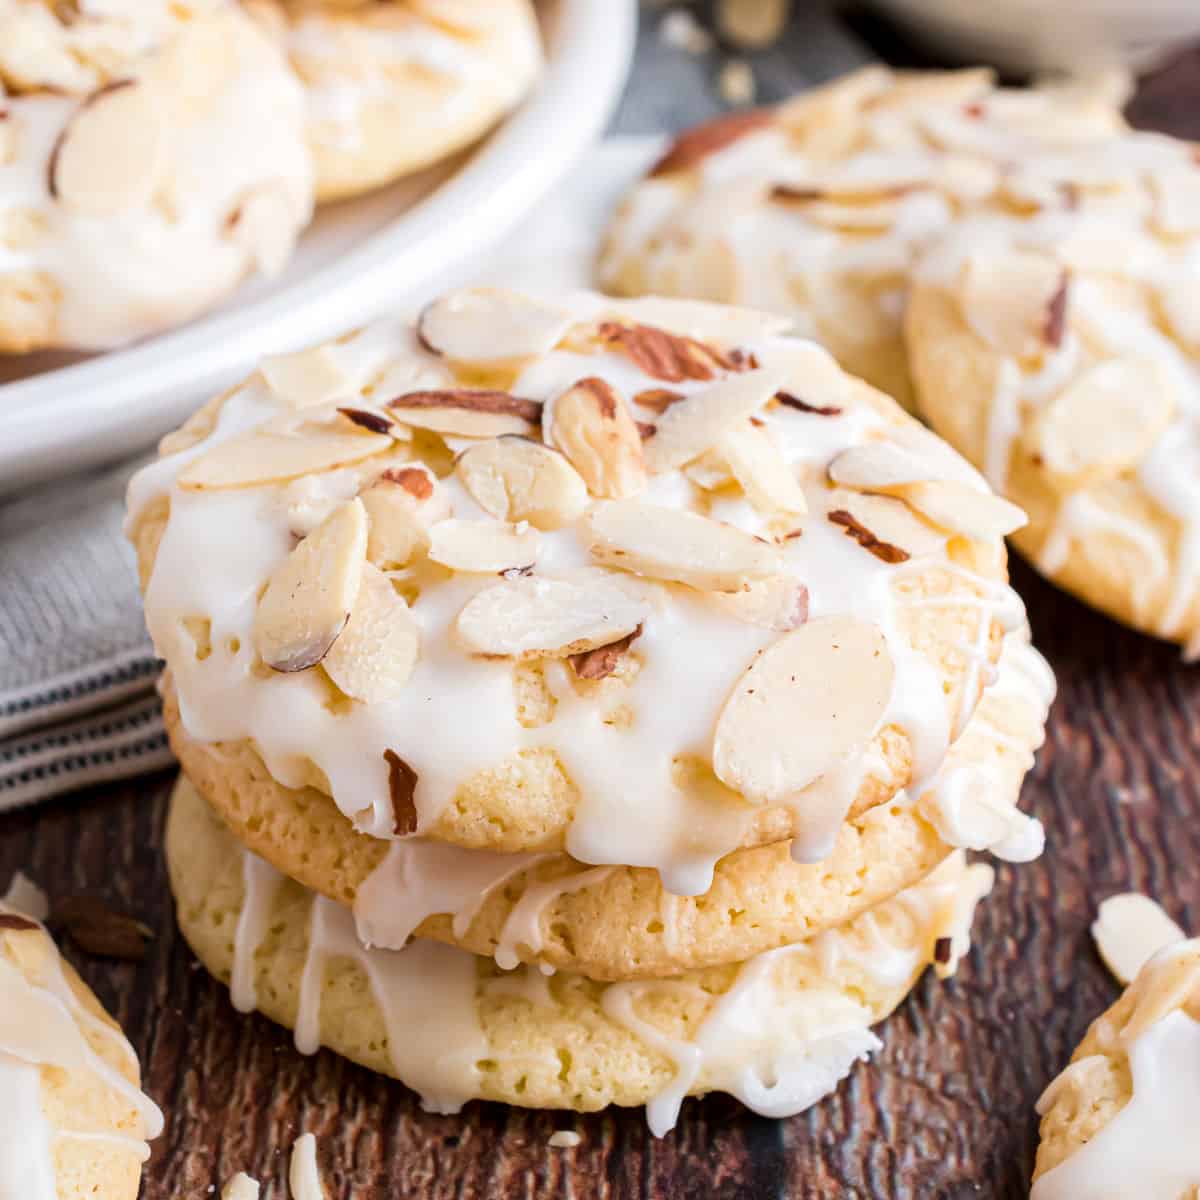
(582, 701)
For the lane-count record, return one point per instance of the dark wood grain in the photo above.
(944, 1110)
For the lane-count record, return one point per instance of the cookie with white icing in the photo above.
(1120, 1120)
(1058, 348)
(455, 1028)
(395, 86)
(75, 1122)
(817, 208)
(149, 162)
(620, 922)
(494, 580)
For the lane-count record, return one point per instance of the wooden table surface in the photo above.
(944, 1110)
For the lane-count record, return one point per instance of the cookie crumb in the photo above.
(565, 1138)
(240, 1187)
(304, 1178)
(736, 82)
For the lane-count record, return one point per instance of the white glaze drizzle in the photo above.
(260, 881)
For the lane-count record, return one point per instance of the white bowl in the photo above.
(356, 259)
(1051, 35)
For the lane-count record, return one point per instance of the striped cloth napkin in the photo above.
(77, 671)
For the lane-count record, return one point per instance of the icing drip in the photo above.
(26, 1167)
(259, 883)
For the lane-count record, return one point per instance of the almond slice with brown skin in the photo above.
(779, 603)
(761, 471)
(1015, 301)
(256, 459)
(604, 660)
(401, 505)
(111, 153)
(668, 356)
(536, 617)
(958, 508)
(681, 547)
(698, 423)
(809, 702)
(887, 520)
(592, 425)
(467, 412)
(484, 546)
(696, 144)
(725, 324)
(515, 479)
(311, 594)
(374, 656)
(1105, 422)
(491, 326)
(307, 377)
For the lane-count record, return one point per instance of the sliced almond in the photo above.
(696, 144)
(310, 595)
(698, 423)
(604, 660)
(779, 603)
(401, 505)
(761, 471)
(667, 543)
(958, 508)
(484, 546)
(1179, 301)
(703, 320)
(256, 459)
(535, 616)
(1177, 199)
(886, 520)
(668, 356)
(1106, 421)
(1015, 301)
(488, 325)
(112, 152)
(373, 657)
(468, 412)
(515, 479)
(1129, 930)
(710, 471)
(879, 467)
(307, 377)
(592, 425)
(809, 702)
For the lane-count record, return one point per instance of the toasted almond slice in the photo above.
(667, 543)
(112, 152)
(1129, 930)
(779, 603)
(966, 510)
(879, 467)
(696, 144)
(758, 466)
(310, 595)
(263, 458)
(401, 505)
(668, 356)
(374, 655)
(535, 616)
(489, 325)
(809, 702)
(1177, 196)
(307, 377)
(698, 423)
(1015, 301)
(888, 520)
(592, 425)
(725, 324)
(515, 479)
(484, 546)
(1106, 421)
(468, 412)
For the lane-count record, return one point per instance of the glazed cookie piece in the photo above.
(145, 169)
(395, 86)
(816, 209)
(540, 577)
(455, 1028)
(1059, 350)
(1120, 1120)
(619, 922)
(75, 1120)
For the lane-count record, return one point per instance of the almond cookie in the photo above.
(75, 1123)
(149, 161)
(614, 580)
(1059, 350)
(454, 1027)
(620, 922)
(395, 86)
(1120, 1120)
(815, 209)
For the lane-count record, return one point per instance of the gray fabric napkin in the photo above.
(77, 670)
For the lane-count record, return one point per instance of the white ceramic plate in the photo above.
(357, 258)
